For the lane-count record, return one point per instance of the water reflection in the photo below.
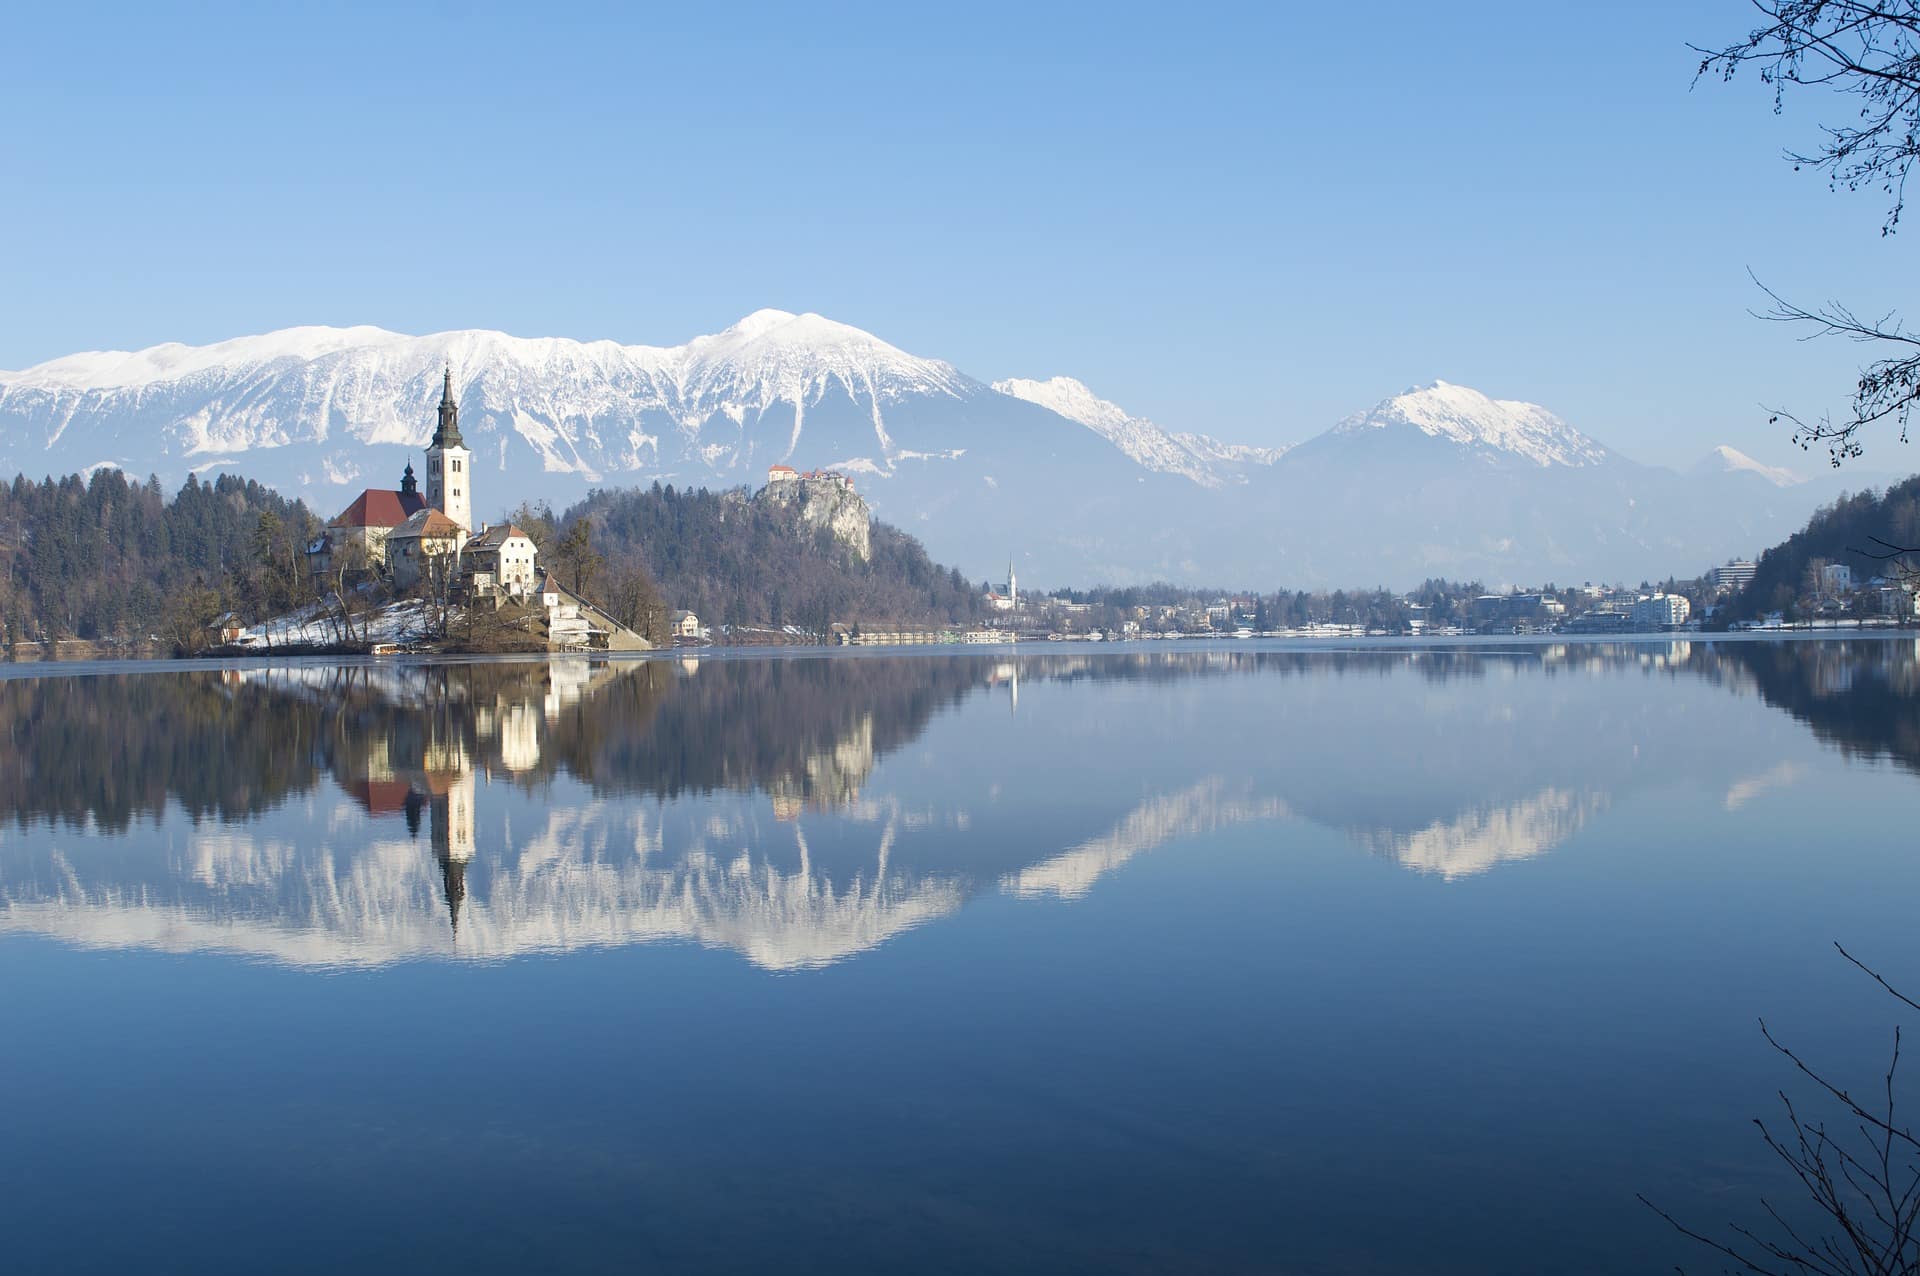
(800, 811)
(1478, 839)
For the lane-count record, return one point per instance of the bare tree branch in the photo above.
(1867, 1191)
(1867, 50)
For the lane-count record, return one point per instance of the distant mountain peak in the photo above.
(1497, 427)
(1205, 460)
(802, 331)
(1728, 460)
(763, 320)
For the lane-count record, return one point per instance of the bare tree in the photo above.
(576, 559)
(1869, 51)
(1861, 1178)
(537, 521)
(349, 565)
(634, 599)
(189, 617)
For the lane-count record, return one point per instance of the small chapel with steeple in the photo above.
(411, 535)
(449, 463)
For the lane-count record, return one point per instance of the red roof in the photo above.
(381, 797)
(426, 524)
(779, 469)
(376, 507)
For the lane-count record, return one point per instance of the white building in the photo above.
(501, 558)
(1010, 599)
(449, 463)
(1836, 578)
(1735, 574)
(1661, 611)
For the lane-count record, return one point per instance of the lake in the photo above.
(1234, 957)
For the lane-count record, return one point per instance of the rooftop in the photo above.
(380, 507)
(427, 522)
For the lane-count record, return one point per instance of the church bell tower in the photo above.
(449, 463)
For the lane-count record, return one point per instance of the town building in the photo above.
(500, 560)
(1836, 578)
(1517, 611)
(425, 547)
(572, 622)
(360, 531)
(684, 624)
(1661, 611)
(787, 474)
(1734, 574)
(1007, 599)
(227, 628)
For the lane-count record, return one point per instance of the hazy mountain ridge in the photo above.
(1727, 460)
(1439, 480)
(1205, 460)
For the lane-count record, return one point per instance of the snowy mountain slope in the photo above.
(587, 408)
(1440, 480)
(1727, 460)
(1206, 461)
(1497, 430)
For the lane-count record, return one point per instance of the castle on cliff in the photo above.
(822, 498)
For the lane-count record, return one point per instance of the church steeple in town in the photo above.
(409, 485)
(447, 433)
(449, 463)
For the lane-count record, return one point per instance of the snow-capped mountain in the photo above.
(1726, 460)
(1206, 461)
(595, 409)
(1495, 430)
(1440, 480)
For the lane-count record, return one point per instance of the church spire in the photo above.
(453, 876)
(447, 434)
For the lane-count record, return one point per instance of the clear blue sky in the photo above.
(1247, 220)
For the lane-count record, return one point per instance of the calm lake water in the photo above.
(1387, 960)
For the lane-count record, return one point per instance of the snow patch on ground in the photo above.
(401, 622)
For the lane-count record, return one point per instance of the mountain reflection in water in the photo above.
(798, 811)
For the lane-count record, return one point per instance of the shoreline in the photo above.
(243, 658)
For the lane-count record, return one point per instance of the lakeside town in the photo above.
(798, 561)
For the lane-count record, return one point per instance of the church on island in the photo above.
(414, 536)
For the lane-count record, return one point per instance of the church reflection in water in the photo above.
(798, 811)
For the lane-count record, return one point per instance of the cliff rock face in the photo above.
(825, 500)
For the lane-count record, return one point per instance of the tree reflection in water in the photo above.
(280, 811)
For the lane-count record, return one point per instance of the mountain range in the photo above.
(1438, 480)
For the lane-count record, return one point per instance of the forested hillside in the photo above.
(1843, 532)
(102, 557)
(737, 561)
